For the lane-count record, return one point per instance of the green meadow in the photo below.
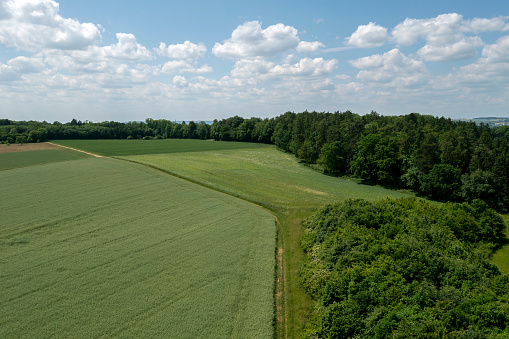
(99, 247)
(129, 147)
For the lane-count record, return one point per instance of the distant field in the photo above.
(264, 175)
(29, 158)
(130, 147)
(100, 247)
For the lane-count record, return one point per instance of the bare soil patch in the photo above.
(4, 148)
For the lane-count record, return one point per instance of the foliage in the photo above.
(100, 247)
(405, 268)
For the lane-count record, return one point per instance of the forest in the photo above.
(437, 158)
(405, 268)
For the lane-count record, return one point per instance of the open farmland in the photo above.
(276, 180)
(16, 156)
(100, 247)
(130, 147)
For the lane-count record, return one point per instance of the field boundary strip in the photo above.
(75, 149)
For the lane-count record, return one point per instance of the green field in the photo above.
(100, 247)
(130, 147)
(275, 180)
(30, 158)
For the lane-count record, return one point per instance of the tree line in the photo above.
(435, 157)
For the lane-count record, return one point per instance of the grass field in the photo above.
(100, 247)
(277, 181)
(30, 158)
(130, 147)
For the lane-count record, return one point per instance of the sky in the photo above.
(203, 60)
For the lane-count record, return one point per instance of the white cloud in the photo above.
(309, 47)
(127, 48)
(367, 36)
(187, 50)
(26, 65)
(264, 70)
(444, 36)
(250, 68)
(498, 52)
(465, 48)
(441, 29)
(179, 81)
(99, 59)
(34, 25)
(249, 41)
(392, 68)
(306, 67)
(479, 25)
(19, 66)
(181, 66)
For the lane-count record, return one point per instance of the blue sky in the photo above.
(195, 60)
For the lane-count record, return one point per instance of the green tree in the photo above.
(442, 182)
(333, 157)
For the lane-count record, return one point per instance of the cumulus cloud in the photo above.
(392, 67)
(464, 48)
(309, 47)
(187, 50)
(479, 25)
(367, 36)
(250, 41)
(498, 52)
(34, 25)
(265, 70)
(444, 36)
(181, 66)
(249, 68)
(19, 66)
(127, 48)
(306, 67)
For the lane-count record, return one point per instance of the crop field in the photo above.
(131, 147)
(100, 247)
(29, 158)
(263, 175)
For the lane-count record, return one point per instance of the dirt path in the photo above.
(74, 149)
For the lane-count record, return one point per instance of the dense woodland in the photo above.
(405, 269)
(435, 157)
